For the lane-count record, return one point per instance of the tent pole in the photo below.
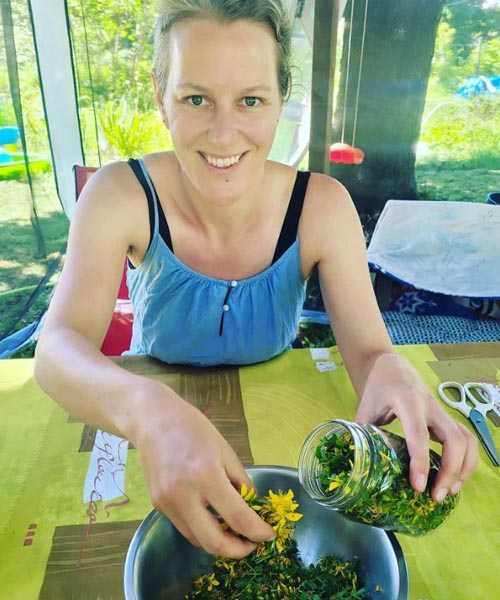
(326, 17)
(15, 92)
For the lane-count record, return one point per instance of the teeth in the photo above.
(222, 163)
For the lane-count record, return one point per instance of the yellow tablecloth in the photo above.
(60, 541)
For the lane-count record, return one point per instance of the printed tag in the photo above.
(105, 478)
(319, 353)
(325, 366)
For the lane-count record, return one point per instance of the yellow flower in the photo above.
(227, 564)
(211, 582)
(248, 494)
(283, 506)
(334, 484)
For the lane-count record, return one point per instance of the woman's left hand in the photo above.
(395, 389)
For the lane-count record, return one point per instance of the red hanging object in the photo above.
(345, 153)
(339, 151)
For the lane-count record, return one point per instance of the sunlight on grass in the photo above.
(21, 266)
(8, 264)
(33, 269)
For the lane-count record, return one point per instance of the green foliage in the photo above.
(31, 98)
(471, 20)
(131, 133)
(117, 34)
(467, 44)
(465, 131)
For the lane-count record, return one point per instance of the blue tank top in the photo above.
(182, 316)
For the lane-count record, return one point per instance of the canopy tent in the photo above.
(57, 81)
(50, 24)
(316, 27)
(301, 128)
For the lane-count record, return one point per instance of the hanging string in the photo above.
(92, 96)
(355, 123)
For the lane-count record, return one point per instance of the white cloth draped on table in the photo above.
(441, 246)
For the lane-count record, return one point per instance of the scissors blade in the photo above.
(479, 423)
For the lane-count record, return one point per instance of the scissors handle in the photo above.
(476, 393)
(480, 395)
(460, 405)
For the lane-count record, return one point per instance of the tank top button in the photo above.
(225, 308)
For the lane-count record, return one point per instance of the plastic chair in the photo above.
(119, 334)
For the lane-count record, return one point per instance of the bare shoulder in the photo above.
(328, 207)
(112, 184)
(114, 196)
(325, 192)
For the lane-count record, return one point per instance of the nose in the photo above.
(223, 126)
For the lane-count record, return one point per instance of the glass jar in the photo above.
(362, 471)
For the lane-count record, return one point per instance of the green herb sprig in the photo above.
(274, 571)
(387, 500)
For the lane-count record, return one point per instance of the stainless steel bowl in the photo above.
(161, 564)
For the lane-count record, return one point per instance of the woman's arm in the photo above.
(187, 464)
(83, 303)
(386, 383)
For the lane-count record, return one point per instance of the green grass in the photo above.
(455, 182)
(22, 264)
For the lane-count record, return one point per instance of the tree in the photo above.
(113, 50)
(468, 42)
(475, 23)
(396, 52)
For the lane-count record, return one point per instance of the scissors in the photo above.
(480, 395)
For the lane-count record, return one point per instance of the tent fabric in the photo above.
(57, 81)
(440, 246)
(15, 342)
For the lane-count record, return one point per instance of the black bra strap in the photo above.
(152, 198)
(289, 229)
(290, 226)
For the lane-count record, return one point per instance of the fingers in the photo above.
(188, 510)
(242, 519)
(187, 495)
(459, 447)
(459, 457)
(394, 389)
(417, 442)
(202, 528)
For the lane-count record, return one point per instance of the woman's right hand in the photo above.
(189, 467)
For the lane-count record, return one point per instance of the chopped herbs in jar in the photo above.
(274, 571)
(363, 472)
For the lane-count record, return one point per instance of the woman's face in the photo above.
(222, 104)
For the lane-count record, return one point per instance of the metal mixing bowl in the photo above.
(161, 564)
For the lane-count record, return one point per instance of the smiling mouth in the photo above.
(222, 163)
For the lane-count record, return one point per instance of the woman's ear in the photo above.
(159, 98)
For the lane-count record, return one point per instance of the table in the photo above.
(71, 498)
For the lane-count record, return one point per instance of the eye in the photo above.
(251, 101)
(195, 100)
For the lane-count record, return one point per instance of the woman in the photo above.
(219, 254)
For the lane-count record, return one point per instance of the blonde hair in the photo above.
(270, 12)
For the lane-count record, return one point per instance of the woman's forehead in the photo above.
(205, 49)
